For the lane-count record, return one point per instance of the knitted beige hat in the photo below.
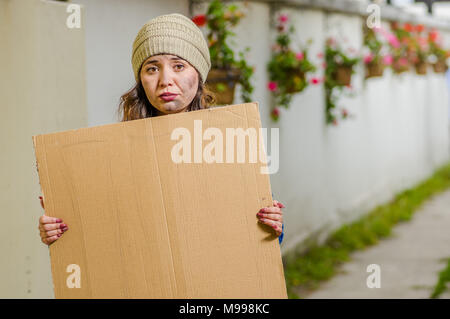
(172, 34)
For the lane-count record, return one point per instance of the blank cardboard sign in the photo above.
(142, 224)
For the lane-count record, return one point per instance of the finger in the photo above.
(47, 227)
(42, 201)
(44, 219)
(277, 226)
(274, 217)
(269, 222)
(49, 240)
(45, 234)
(278, 204)
(54, 232)
(272, 210)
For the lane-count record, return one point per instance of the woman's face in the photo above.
(166, 73)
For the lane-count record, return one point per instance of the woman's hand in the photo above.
(51, 228)
(272, 216)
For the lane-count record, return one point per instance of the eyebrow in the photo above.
(155, 61)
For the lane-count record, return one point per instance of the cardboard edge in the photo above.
(35, 140)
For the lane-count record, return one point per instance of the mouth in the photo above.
(168, 96)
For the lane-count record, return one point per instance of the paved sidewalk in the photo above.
(410, 260)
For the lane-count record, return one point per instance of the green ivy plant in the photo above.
(335, 58)
(219, 20)
(374, 59)
(437, 52)
(287, 69)
(373, 43)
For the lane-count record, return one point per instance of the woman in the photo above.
(170, 61)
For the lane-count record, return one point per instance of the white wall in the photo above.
(442, 10)
(42, 86)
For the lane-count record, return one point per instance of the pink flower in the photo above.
(403, 61)
(299, 56)
(368, 58)
(314, 80)
(283, 18)
(387, 59)
(320, 55)
(382, 31)
(433, 35)
(275, 114)
(276, 111)
(344, 113)
(272, 86)
(423, 43)
(324, 65)
(392, 39)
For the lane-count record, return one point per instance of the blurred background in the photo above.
(345, 147)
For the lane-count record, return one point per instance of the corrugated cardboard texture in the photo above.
(142, 226)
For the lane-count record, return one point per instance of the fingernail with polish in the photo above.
(59, 220)
(59, 235)
(62, 226)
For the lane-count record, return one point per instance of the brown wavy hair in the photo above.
(134, 104)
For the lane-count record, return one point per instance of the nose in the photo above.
(165, 77)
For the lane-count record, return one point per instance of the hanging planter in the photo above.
(226, 70)
(288, 69)
(401, 47)
(343, 75)
(418, 49)
(223, 83)
(400, 68)
(298, 82)
(338, 74)
(421, 68)
(440, 67)
(400, 65)
(437, 52)
(374, 69)
(373, 60)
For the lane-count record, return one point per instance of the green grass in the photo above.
(320, 262)
(444, 278)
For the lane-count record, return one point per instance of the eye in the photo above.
(150, 68)
(182, 65)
